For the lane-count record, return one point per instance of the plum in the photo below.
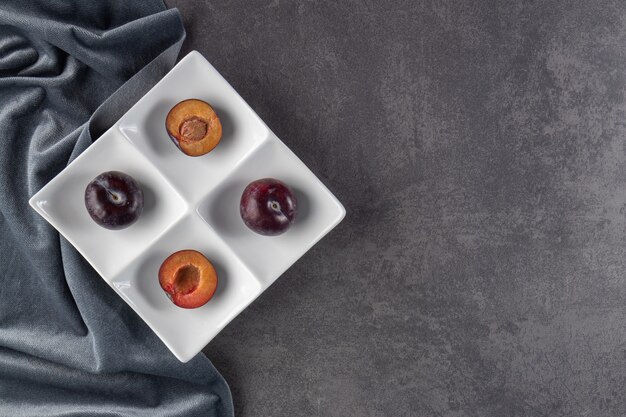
(194, 127)
(268, 206)
(188, 278)
(114, 200)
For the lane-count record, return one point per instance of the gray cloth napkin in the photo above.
(69, 346)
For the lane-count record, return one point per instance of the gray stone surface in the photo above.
(478, 147)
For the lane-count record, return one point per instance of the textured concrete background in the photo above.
(479, 150)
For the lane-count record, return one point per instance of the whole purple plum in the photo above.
(114, 200)
(268, 206)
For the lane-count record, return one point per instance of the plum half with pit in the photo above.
(188, 278)
(194, 127)
(268, 206)
(114, 200)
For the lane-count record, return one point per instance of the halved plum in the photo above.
(194, 127)
(188, 278)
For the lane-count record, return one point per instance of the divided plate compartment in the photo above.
(268, 257)
(242, 129)
(186, 331)
(190, 203)
(62, 203)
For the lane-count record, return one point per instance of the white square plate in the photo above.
(190, 203)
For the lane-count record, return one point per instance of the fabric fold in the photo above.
(68, 344)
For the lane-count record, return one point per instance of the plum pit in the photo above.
(193, 129)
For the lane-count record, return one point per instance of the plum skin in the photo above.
(114, 200)
(268, 207)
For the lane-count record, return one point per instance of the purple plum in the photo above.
(114, 200)
(268, 206)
